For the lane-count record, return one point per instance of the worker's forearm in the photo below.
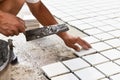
(42, 14)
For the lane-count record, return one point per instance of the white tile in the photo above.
(83, 26)
(54, 69)
(103, 36)
(101, 46)
(111, 54)
(117, 61)
(69, 18)
(91, 39)
(97, 24)
(84, 52)
(89, 20)
(75, 23)
(108, 68)
(113, 42)
(89, 73)
(93, 31)
(107, 28)
(76, 64)
(115, 33)
(115, 77)
(95, 59)
(69, 76)
(104, 79)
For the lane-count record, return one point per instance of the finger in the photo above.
(10, 33)
(75, 47)
(4, 32)
(21, 25)
(83, 43)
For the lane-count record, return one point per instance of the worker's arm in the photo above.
(44, 16)
(10, 24)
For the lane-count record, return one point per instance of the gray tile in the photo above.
(95, 59)
(111, 54)
(84, 52)
(76, 64)
(108, 68)
(54, 69)
(89, 73)
(101, 46)
(115, 77)
(113, 42)
(69, 76)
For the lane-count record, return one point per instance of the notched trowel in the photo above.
(45, 31)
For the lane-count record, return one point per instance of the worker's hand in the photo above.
(10, 25)
(71, 41)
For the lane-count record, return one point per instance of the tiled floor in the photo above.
(100, 19)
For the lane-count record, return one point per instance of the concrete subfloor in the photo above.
(34, 54)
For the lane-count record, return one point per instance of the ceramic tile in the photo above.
(69, 76)
(84, 26)
(104, 79)
(103, 36)
(115, 77)
(93, 31)
(78, 64)
(89, 73)
(85, 52)
(115, 33)
(107, 28)
(111, 54)
(101, 46)
(117, 61)
(95, 59)
(108, 68)
(91, 39)
(54, 69)
(113, 42)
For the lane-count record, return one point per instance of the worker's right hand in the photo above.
(10, 25)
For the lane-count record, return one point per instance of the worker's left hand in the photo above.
(71, 41)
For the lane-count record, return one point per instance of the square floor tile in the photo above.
(117, 61)
(95, 59)
(109, 68)
(111, 54)
(89, 73)
(97, 24)
(91, 39)
(93, 31)
(103, 36)
(84, 26)
(106, 28)
(69, 76)
(55, 69)
(69, 18)
(115, 77)
(105, 79)
(101, 46)
(84, 52)
(113, 42)
(76, 64)
(115, 33)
